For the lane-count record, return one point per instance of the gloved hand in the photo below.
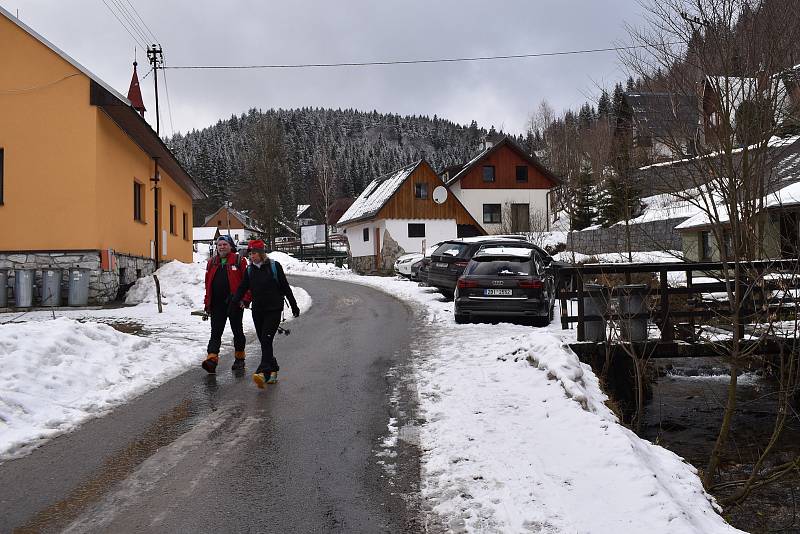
(295, 312)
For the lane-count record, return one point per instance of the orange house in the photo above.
(78, 172)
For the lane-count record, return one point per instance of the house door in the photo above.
(790, 240)
(520, 218)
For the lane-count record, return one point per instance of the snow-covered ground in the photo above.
(516, 437)
(59, 372)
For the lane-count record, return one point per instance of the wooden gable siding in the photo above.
(403, 204)
(505, 161)
(222, 215)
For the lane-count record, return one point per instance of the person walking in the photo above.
(267, 284)
(224, 273)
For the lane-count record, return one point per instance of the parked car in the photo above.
(403, 265)
(506, 281)
(451, 257)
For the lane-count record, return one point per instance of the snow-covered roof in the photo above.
(301, 208)
(204, 233)
(376, 194)
(505, 251)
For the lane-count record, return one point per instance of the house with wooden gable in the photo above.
(403, 211)
(239, 225)
(82, 172)
(504, 188)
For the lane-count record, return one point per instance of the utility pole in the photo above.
(156, 57)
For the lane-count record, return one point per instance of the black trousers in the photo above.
(220, 314)
(266, 323)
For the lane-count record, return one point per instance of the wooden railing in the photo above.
(757, 281)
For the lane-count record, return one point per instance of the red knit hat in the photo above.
(256, 245)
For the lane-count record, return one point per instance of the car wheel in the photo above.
(461, 318)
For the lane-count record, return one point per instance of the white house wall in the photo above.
(474, 199)
(355, 237)
(435, 230)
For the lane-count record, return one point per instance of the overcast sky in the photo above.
(199, 32)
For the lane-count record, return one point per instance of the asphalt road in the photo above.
(215, 454)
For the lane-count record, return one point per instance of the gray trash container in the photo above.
(51, 287)
(631, 302)
(78, 287)
(3, 288)
(594, 303)
(23, 287)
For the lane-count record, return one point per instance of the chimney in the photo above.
(135, 94)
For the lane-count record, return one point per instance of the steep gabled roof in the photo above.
(505, 141)
(377, 194)
(119, 109)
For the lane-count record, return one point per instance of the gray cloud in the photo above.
(501, 93)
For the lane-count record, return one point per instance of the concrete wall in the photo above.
(645, 237)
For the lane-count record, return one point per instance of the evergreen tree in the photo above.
(585, 201)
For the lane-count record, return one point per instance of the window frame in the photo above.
(494, 174)
(138, 201)
(524, 180)
(490, 220)
(185, 226)
(706, 248)
(366, 235)
(421, 190)
(173, 212)
(416, 227)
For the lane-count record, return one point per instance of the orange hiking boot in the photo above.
(260, 380)
(210, 363)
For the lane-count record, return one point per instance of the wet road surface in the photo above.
(215, 454)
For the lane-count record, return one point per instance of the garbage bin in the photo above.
(51, 287)
(78, 287)
(632, 302)
(23, 288)
(3, 288)
(595, 302)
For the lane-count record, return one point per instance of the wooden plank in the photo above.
(581, 325)
(505, 161)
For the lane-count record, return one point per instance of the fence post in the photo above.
(666, 325)
(581, 325)
(564, 312)
(689, 305)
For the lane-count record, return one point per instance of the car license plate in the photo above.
(497, 292)
(440, 264)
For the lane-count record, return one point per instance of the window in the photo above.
(705, 246)
(219, 222)
(522, 173)
(491, 213)
(421, 191)
(416, 229)
(488, 173)
(185, 225)
(137, 201)
(172, 229)
(366, 234)
(1, 176)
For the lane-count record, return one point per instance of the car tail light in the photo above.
(531, 284)
(461, 264)
(464, 283)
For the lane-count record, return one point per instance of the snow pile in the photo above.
(57, 373)
(182, 284)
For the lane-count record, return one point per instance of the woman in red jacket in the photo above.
(224, 273)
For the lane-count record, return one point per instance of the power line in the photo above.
(155, 40)
(121, 9)
(169, 105)
(135, 39)
(407, 61)
(36, 87)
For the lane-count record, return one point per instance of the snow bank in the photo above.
(57, 373)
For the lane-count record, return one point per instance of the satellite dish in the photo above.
(440, 194)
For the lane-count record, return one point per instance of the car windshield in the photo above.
(450, 249)
(499, 267)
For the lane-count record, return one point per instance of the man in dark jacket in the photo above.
(267, 284)
(224, 273)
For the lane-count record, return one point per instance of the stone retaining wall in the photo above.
(645, 237)
(103, 285)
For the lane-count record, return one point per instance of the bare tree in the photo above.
(729, 61)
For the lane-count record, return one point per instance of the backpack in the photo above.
(274, 270)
